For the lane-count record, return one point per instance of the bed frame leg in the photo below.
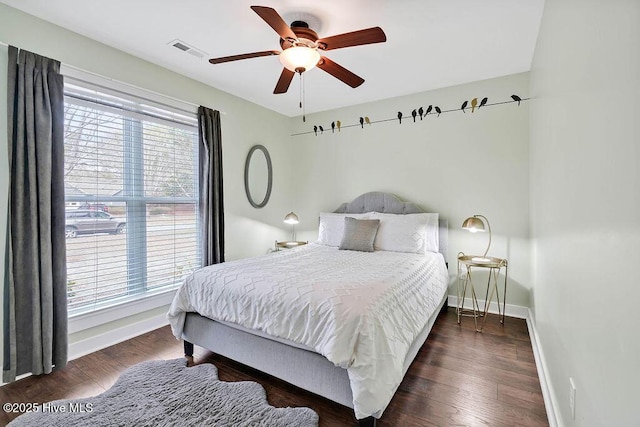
(367, 422)
(445, 307)
(188, 352)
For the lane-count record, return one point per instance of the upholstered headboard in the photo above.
(377, 201)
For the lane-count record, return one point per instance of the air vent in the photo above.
(185, 47)
(181, 46)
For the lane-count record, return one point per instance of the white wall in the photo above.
(458, 164)
(585, 206)
(249, 231)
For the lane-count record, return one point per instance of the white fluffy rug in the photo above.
(167, 393)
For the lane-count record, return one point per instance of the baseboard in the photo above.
(115, 336)
(550, 401)
(511, 310)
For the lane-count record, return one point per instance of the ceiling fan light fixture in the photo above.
(298, 58)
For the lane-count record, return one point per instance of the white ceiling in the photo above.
(430, 43)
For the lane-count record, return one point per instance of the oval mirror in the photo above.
(258, 176)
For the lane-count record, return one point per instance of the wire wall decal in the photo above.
(416, 115)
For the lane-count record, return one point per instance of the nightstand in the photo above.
(466, 265)
(288, 245)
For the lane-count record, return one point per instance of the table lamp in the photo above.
(475, 224)
(292, 218)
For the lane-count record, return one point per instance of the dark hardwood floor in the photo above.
(459, 378)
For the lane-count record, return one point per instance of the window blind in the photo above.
(131, 196)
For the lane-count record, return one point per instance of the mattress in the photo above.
(360, 310)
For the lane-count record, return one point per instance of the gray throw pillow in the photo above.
(359, 234)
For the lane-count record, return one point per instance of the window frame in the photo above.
(145, 299)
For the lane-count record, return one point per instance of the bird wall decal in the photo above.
(417, 112)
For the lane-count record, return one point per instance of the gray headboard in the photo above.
(377, 201)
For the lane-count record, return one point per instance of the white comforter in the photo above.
(361, 310)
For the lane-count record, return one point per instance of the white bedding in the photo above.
(361, 310)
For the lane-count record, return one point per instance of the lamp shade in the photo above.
(299, 58)
(473, 224)
(291, 218)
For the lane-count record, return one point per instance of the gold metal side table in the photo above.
(468, 263)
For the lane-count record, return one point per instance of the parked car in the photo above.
(94, 206)
(87, 221)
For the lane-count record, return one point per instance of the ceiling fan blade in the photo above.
(243, 56)
(339, 72)
(275, 21)
(355, 38)
(284, 81)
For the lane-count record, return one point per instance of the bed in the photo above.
(344, 324)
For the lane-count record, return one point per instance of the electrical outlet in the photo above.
(572, 398)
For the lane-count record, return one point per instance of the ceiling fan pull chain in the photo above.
(304, 119)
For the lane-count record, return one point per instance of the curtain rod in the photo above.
(2, 43)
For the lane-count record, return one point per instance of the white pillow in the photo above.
(414, 233)
(331, 228)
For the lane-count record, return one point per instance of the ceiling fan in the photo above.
(301, 49)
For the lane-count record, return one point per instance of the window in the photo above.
(131, 196)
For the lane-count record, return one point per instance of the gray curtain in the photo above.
(35, 288)
(210, 180)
